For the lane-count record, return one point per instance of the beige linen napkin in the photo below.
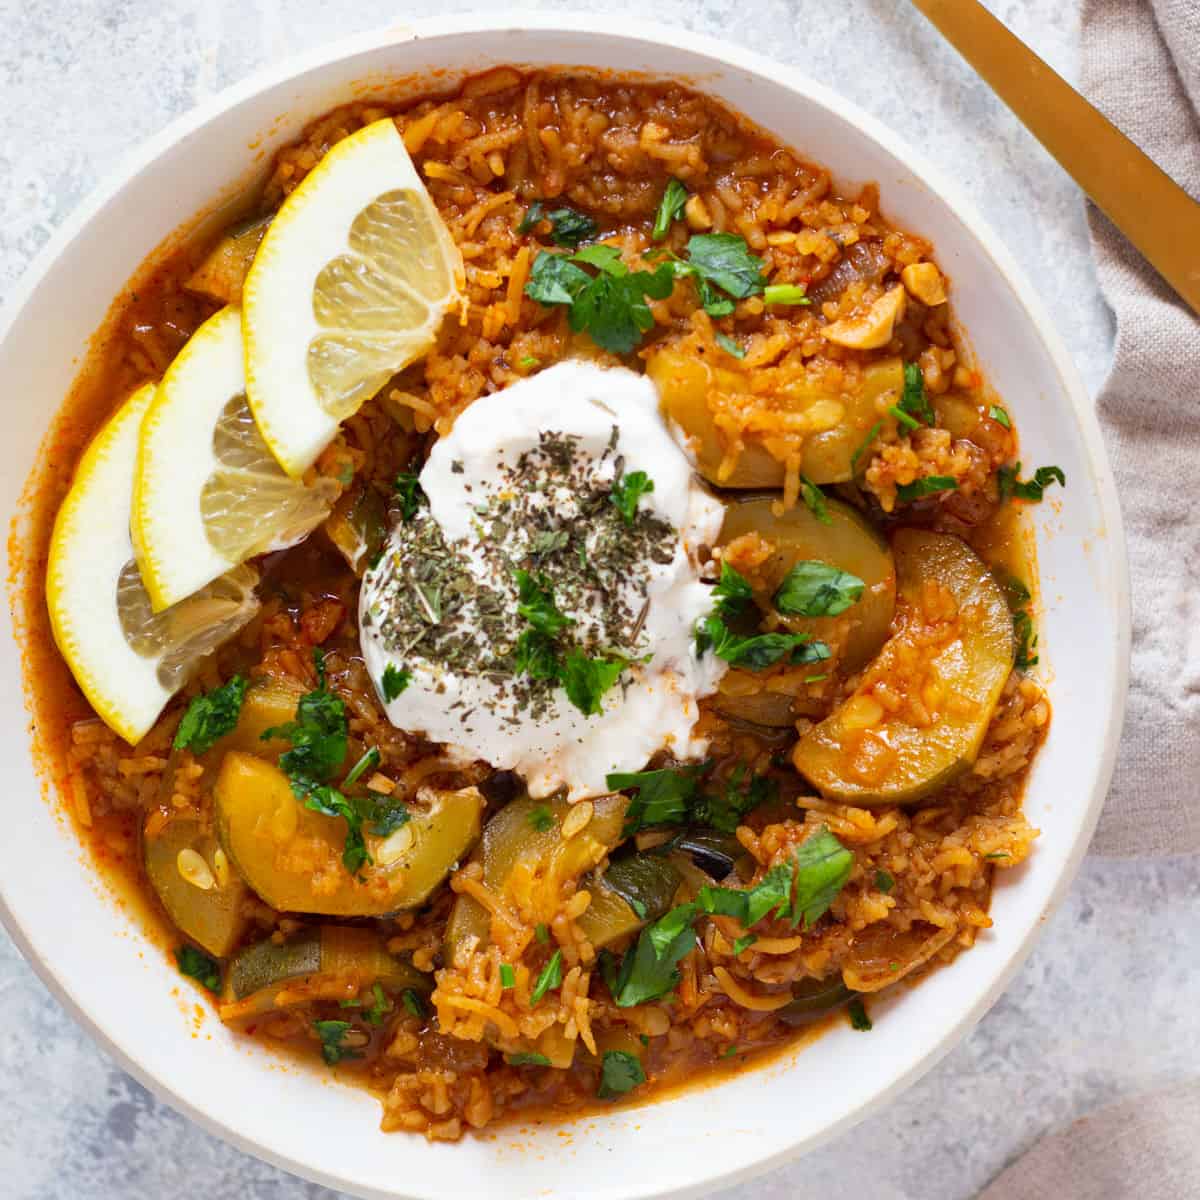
(1144, 1148)
(1141, 66)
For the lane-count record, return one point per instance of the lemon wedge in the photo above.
(207, 493)
(348, 287)
(128, 660)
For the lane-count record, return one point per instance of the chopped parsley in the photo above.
(542, 933)
(817, 589)
(328, 800)
(1028, 489)
(724, 260)
(551, 977)
(535, 602)
(661, 797)
(628, 490)
(394, 681)
(730, 346)
(541, 819)
(929, 485)
(724, 810)
(903, 417)
(1000, 415)
(1026, 640)
(526, 362)
(409, 494)
(368, 762)
(914, 402)
(380, 1005)
(567, 227)
(620, 1072)
(585, 680)
(857, 1011)
(729, 1051)
(210, 717)
(412, 1003)
(733, 594)
(508, 977)
(884, 881)
(609, 306)
(199, 966)
(525, 1059)
(670, 209)
(814, 500)
(332, 1034)
(648, 969)
(760, 651)
(385, 816)
(785, 293)
(744, 943)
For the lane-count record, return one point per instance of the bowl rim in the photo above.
(516, 22)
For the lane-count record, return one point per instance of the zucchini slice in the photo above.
(292, 857)
(847, 542)
(333, 953)
(947, 664)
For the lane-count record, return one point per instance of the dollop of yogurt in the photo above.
(545, 483)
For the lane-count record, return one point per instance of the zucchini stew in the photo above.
(546, 602)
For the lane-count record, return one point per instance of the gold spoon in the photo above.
(1144, 203)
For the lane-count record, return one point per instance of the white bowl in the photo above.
(96, 959)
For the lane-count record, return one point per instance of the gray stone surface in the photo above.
(1104, 1009)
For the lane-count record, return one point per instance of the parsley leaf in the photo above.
(802, 888)
(1027, 655)
(535, 602)
(758, 652)
(1000, 415)
(724, 260)
(210, 717)
(542, 933)
(408, 489)
(884, 881)
(627, 491)
(814, 500)
(551, 977)
(585, 680)
(744, 943)
(620, 1072)
(541, 819)
(322, 798)
(319, 736)
(331, 1034)
(569, 228)
(386, 816)
(609, 306)
(928, 485)
(555, 279)
(648, 970)
(199, 966)
(525, 1059)
(380, 1006)
(914, 401)
(394, 681)
(730, 346)
(536, 656)
(368, 762)
(816, 589)
(670, 209)
(732, 592)
(412, 1003)
(661, 796)
(534, 215)
(1028, 489)
(857, 1012)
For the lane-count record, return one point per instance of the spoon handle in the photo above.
(1150, 209)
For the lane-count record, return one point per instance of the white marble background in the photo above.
(1105, 1007)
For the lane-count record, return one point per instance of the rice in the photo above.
(921, 880)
